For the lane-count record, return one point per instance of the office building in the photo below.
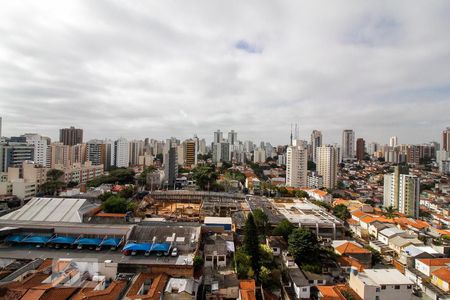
(14, 154)
(393, 142)
(221, 152)
(446, 139)
(296, 166)
(202, 146)
(96, 152)
(348, 145)
(327, 165)
(360, 148)
(316, 141)
(60, 154)
(121, 153)
(232, 137)
(71, 136)
(401, 191)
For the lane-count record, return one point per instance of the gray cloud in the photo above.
(161, 69)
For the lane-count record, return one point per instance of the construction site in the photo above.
(183, 206)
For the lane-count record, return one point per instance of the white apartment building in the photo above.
(327, 165)
(401, 191)
(40, 144)
(393, 141)
(121, 151)
(381, 284)
(296, 166)
(259, 155)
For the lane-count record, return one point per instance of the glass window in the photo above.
(383, 287)
(397, 287)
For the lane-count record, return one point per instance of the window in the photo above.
(383, 287)
(409, 287)
(378, 290)
(304, 289)
(397, 287)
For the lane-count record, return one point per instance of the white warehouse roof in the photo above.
(218, 220)
(52, 210)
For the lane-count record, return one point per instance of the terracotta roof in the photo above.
(248, 284)
(358, 213)
(247, 295)
(367, 219)
(347, 261)
(328, 292)
(348, 248)
(111, 215)
(433, 262)
(111, 292)
(352, 221)
(33, 294)
(156, 288)
(443, 274)
(59, 293)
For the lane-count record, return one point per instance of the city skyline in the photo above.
(160, 70)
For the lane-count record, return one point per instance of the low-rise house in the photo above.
(277, 244)
(441, 278)
(377, 226)
(428, 265)
(386, 284)
(386, 234)
(353, 250)
(215, 251)
(180, 289)
(399, 243)
(298, 283)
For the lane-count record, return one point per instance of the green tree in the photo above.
(235, 175)
(251, 242)
(266, 254)
(301, 194)
(243, 264)
(115, 204)
(54, 175)
(261, 221)
(303, 245)
(205, 176)
(198, 261)
(284, 228)
(54, 182)
(341, 211)
(127, 192)
(103, 197)
(389, 212)
(265, 276)
(142, 179)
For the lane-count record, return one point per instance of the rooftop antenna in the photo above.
(291, 135)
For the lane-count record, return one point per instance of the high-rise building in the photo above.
(218, 136)
(0, 127)
(401, 191)
(136, 150)
(221, 152)
(202, 146)
(259, 155)
(446, 139)
(327, 165)
(78, 154)
(60, 155)
(360, 148)
(96, 152)
(232, 137)
(393, 141)
(14, 154)
(296, 166)
(122, 155)
(348, 145)
(71, 136)
(171, 164)
(40, 145)
(190, 153)
(316, 141)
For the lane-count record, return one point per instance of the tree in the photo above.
(54, 175)
(376, 256)
(261, 221)
(341, 211)
(389, 212)
(103, 197)
(301, 194)
(243, 264)
(303, 245)
(235, 175)
(54, 182)
(142, 179)
(251, 242)
(284, 228)
(127, 192)
(266, 254)
(115, 204)
(197, 261)
(205, 176)
(265, 276)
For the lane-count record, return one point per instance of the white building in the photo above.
(402, 192)
(121, 151)
(327, 165)
(348, 144)
(296, 166)
(393, 141)
(40, 144)
(259, 155)
(376, 284)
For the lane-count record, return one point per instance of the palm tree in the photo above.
(390, 212)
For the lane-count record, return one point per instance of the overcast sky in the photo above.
(175, 68)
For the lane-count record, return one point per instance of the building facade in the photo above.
(296, 166)
(71, 136)
(348, 144)
(327, 165)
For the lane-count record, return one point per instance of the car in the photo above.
(113, 248)
(38, 245)
(133, 253)
(79, 247)
(147, 253)
(159, 253)
(98, 248)
(174, 252)
(57, 246)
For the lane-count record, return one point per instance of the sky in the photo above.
(177, 68)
